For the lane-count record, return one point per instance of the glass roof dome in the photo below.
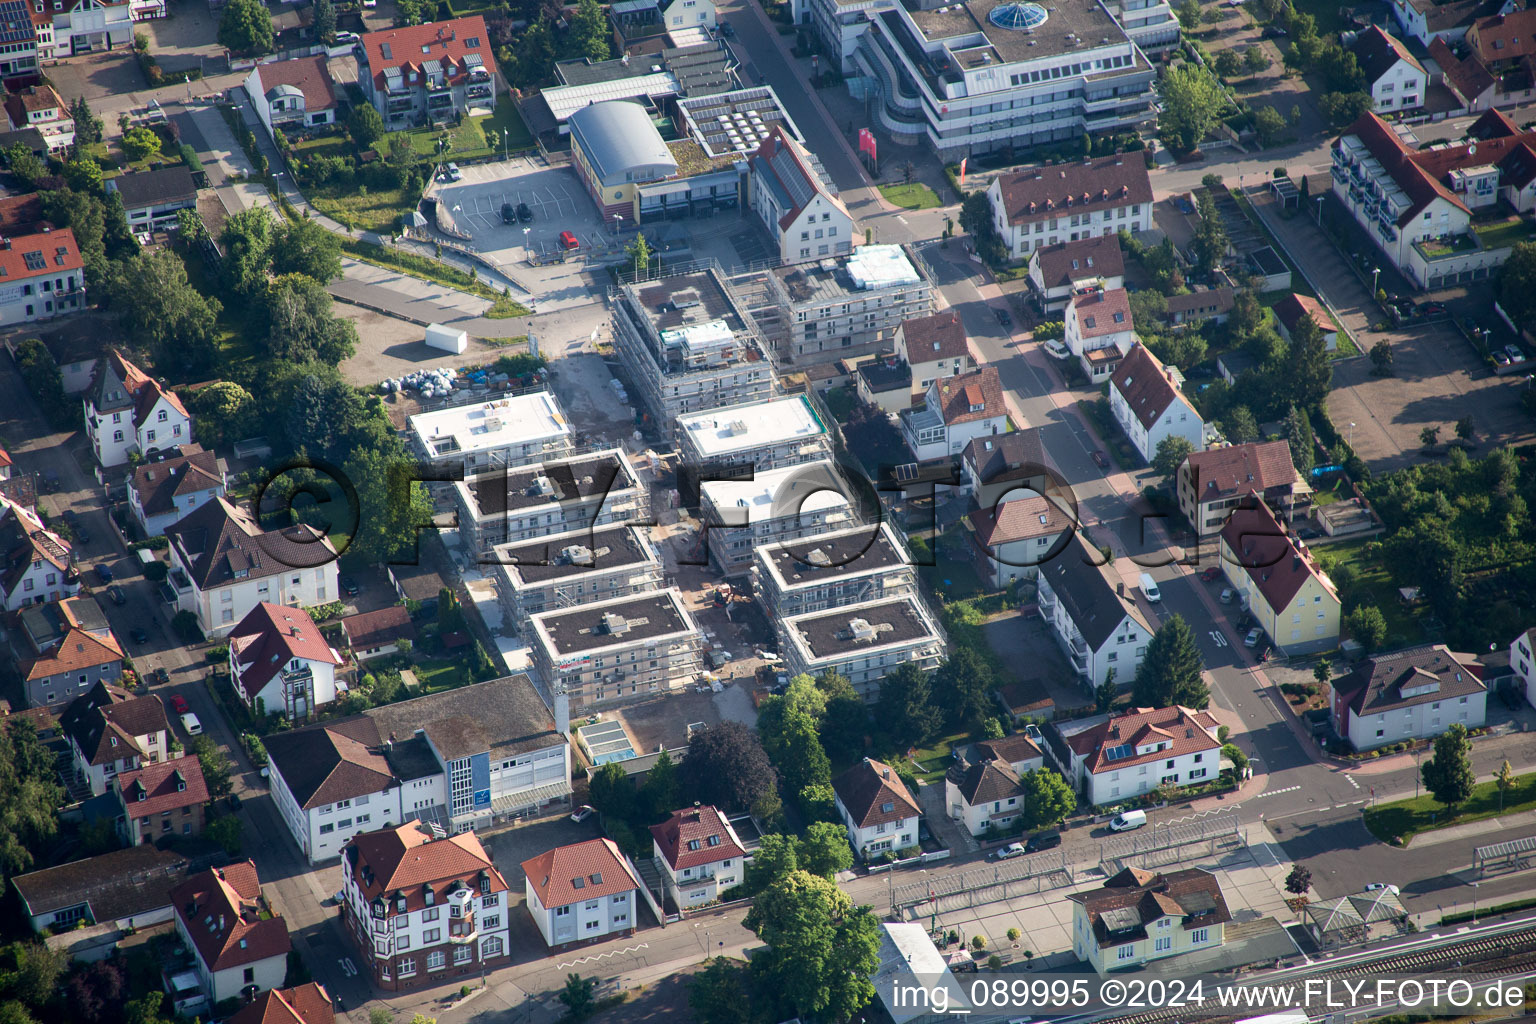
(1018, 15)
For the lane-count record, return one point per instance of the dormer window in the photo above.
(428, 895)
(888, 807)
(693, 844)
(714, 840)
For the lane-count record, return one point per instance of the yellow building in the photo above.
(1275, 575)
(1139, 916)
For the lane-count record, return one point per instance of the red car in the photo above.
(179, 704)
(569, 240)
(1212, 574)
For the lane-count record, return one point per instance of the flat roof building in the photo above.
(845, 306)
(573, 568)
(764, 435)
(779, 505)
(832, 570)
(511, 431)
(613, 651)
(689, 345)
(864, 642)
(502, 506)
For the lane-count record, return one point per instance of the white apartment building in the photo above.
(832, 570)
(1122, 756)
(1094, 620)
(513, 431)
(581, 893)
(1138, 916)
(838, 308)
(1148, 401)
(39, 564)
(575, 568)
(110, 731)
(127, 412)
(699, 854)
(1409, 694)
(424, 909)
(1394, 77)
(1059, 272)
(689, 346)
(279, 664)
(985, 795)
(1524, 664)
(1212, 483)
(501, 506)
(1048, 205)
(40, 107)
(955, 411)
(764, 435)
(239, 947)
(792, 195)
(864, 641)
(786, 504)
(223, 564)
(1020, 534)
(878, 809)
(44, 276)
(1099, 331)
(622, 649)
(838, 26)
(86, 27)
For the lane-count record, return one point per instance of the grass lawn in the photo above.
(509, 124)
(936, 757)
(439, 673)
(840, 402)
(467, 140)
(323, 145)
(915, 196)
(1506, 233)
(356, 207)
(505, 308)
(1373, 585)
(1406, 818)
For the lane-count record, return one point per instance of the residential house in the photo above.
(1467, 80)
(40, 107)
(1014, 463)
(764, 435)
(223, 564)
(130, 888)
(1139, 916)
(1129, 754)
(173, 484)
(161, 800)
(878, 809)
(72, 649)
(128, 412)
(423, 908)
(794, 503)
(1060, 271)
(309, 1003)
(1291, 597)
(377, 633)
(1099, 331)
(886, 384)
(863, 641)
(1019, 535)
(417, 585)
(985, 797)
(1290, 311)
(39, 564)
(699, 854)
(1501, 45)
(294, 95)
(1213, 304)
(1393, 76)
(581, 893)
(110, 731)
(1149, 403)
(151, 199)
(1044, 206)
(68, 28)
(956, 410)
(1524, 664)
(1431, 23)
(933, 347)
(842, 307)
(1016, 750)
(1094, 620)
(1212, 483)
(834, 570)
(279, 664)
(239, 947)
(793, 196)
(42, 274)
(423, 74)
(463, 758)
(1409, 694)
(517, 430)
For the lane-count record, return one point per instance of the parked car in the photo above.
(1211, 574)
(234, 801)
(370, 4)
(1309, 533)
(726, 30)
(159, 676)
(179, 704)
(508, 214)
(1009, 852)
(104, 572)
(1057, 349)
(1003, 317)
(190, 723)
(1228, 595)
(1435, 309)
(1378, 886)
(1254, 636)
(1275, 32)
(569, 240)
(452, 172)
(116, 594)
(1515, 355)
(1043, 841)
(524, 214)
(139, 635)
(342, 38)
(582, 813)
(1127, 820)
(1099, 458)
(1501, 357)
(349, 586)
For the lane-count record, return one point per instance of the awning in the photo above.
(536, 797)
(665, 188)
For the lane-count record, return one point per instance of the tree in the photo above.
(588, 34)
(221, 410)
(1465, 428)
(844, 726)
(1505, 780)
(1048, 797)
(300, 325)
(1232, 752)
(1429, 436)
(1299, 880)
(325, 20)
(611, 792)
(1170, 455)
(393, 501)
(1517, 283)
(1308, 373)
(1228, 64)
(1255, 60)
(1189, 15)
(639, 252)
(95, 995)
(1171, 672)
(83, 174)
(1341, 109)
(1105, 693)
(1448, 775)
(37, 974)
(726, 766)
(907, 707)
(366, 125)
(88, 126)
(661, 786)
(579, 995)
(1298, 435)
(1269, 123)
(1191, 107)
(215, 765)
(227, 832)
(246, 28)
(29, 797)
(25, 164)
(1381, 359)
(824, 849)
(964, 683)
(1367, 627)
(777, 856)
(822, 950)
(139, 143)
(1239, 425)
(1211, 237)
(247, 243)
(1322, 672)
(380, 1015)
(161, 309)
(304, 247)
(722, 994)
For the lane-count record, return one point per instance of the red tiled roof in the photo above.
(1194, 895)
(1272, 558)
(407, 859)
(306, 1004)
(221, 911)
(1071, 188)
(701, 827)
(307, 74)
(583, 871)
(269, 637)
(148, 395)
(106, 721)
(1422, 186)
(1020, 519)
(1097, 313)
(1237, 469)
(940, 336)
(447, 42)
(52, 253)
(1182, 729)
(1143, 383)
(967, 397)
(1466, 78)
(873, 794)
(378, 628)
(77, 650)
(33, 99)
(1066, 262)
(1377, 684)
(162, 786)
(1293, 307)
(24, 539)
(1503, 37)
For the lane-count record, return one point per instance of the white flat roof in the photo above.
(908, 957)
(746, 427)
(536, 416)
(565, 100)
(880, 266)
(813, 487)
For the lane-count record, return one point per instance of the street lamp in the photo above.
(1474, 904)
(525, 237)
(1351, 434)
(1319, 211)
(1375, 274)
(618, 224)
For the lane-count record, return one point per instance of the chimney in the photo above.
(885, 773)
(221, 922)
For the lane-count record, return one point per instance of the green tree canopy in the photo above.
(140, 142)
(588, 35)
(246, 28)
(300, 324)
(1517, 284)
(1448, 775)
(822, 950)
(824, 849)
(304, 247)
(1171, 453)
(325, 20)
(365, 124)
(1239, 426)
(907, 705)
(727, 766)
(161, 309)
(1211, 236)
(1048, 797)
(247, 243)
(1191, 107)
(964, 687)
(1172, 671)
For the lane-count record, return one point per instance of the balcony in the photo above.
(1340, 175)
(463, 933)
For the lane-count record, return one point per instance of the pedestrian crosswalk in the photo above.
(1277, 792)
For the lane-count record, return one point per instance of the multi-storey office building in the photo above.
(763, 435)
(504, 506)
(862, 641)
(832, 570)
(575, 568)
(513, 431)
(762, 508)
(849, 306)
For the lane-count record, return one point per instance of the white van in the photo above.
(1149, 589)
(1127, 820)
